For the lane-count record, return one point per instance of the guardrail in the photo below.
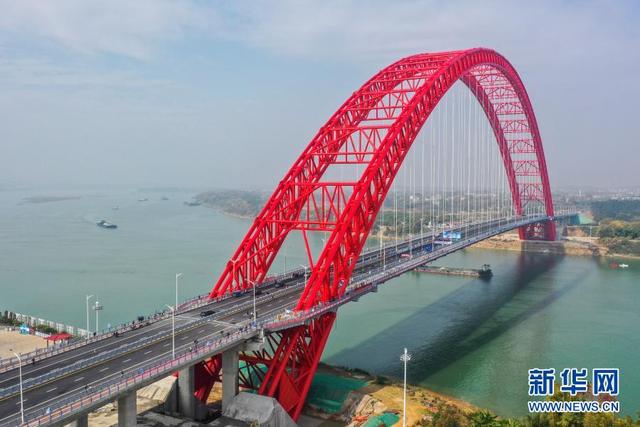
(126, 348)
(203, 300)
(42, 353)
(78, 400)
(360, 287)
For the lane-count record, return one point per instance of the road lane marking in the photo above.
(78, 379)
(103, 369)
(213, 335)
(147, 352)
(52, 389)
(126, 360)
(167, 344)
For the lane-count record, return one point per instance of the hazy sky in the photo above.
(227, 93)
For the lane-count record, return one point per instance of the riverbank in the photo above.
(576, 246)
(13, 340)
(356, 398)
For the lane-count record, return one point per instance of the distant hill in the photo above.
(241, 203)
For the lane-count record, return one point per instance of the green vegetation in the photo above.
(382, 380)
(620, 237)
(46, 329)
(623, 229)
(626, 210)
(234, 202)
(446, 415)
(6, 320)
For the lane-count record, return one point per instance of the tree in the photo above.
(482, 418)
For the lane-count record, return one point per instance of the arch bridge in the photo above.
(375, 129)
(338, 190)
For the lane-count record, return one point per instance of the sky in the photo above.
(156, 93)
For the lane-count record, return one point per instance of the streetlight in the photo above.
(87, 301)
(20, 378)
(173, 331)
(178, 275)
(253, 285)
(305, 274)
(97, 307)
(405, 357)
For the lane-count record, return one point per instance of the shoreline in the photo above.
(11, 338)
(381, 396)
(574, 246)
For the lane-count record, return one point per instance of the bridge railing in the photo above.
(126, 348)
(355, 289)
(41, 353)
(77, 401)
(359, 287)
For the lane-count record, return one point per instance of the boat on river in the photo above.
(105, 224)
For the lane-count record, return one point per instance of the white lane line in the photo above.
(184, 338)
(148, 351)
(126, 360)
(78, 379)
(103, 369)
(52, 389)
(167, 344)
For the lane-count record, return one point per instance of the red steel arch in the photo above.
(375, 127)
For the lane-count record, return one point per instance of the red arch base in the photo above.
(375, 129)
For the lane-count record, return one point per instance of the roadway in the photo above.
(134, 350)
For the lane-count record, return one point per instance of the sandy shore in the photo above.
(375, 398)
(19, 343)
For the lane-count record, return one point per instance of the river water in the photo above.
(471, 339)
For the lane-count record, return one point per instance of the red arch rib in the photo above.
(376, 127)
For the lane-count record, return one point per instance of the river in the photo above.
(471, 339)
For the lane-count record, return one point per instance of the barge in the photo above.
(484, 272)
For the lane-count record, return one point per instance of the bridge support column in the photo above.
(186, 388)
(230, 384)
(82, 421)
(127, 411)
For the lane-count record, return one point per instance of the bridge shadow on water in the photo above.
(459, 323)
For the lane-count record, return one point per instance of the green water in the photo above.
(329, 392)
(388, 419)
(470, 339)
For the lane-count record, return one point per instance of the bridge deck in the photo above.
(92, 374)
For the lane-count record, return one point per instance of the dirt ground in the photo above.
(420, 401)
(374, 399)
(19, 343)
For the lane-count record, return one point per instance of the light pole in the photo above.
(178, 275)
(173, 331)
(405, 357)
(88, 297)
(253, 285)
(305, 274)
(20, 378)
(97, 307)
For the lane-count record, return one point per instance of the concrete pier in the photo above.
(186, 387)
(127, 411)
(83, 421)
(230, 385)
